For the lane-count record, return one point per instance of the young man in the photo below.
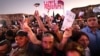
(94, 34)
(24, 46)
(5, 48)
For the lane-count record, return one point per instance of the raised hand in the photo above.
(36, 14)
(40, 23)
(67, 33)
(24, 24)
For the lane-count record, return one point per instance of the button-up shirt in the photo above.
(94, 39)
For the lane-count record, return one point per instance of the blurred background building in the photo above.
(83, 11)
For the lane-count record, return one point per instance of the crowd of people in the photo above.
(43, 37)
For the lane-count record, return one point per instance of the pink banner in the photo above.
(53, 4)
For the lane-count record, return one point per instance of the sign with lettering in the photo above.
(53, 4)
(68, 20)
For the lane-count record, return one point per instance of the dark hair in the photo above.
(90, 14)
(10, 33)
(57, 15)
(54, 35)
(21, 33)
(3, 42)
(98, 21)
(77, 35)
(48, 35)
(73, 46)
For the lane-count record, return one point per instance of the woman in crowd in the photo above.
(82, 39)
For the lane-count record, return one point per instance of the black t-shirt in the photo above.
(54, 52)
(37, 50)
(33, 50)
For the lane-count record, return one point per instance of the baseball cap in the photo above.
(21, 33)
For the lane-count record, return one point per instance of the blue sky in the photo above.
(26, 6)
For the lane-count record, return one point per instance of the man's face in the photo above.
(47, 43)
(3, 49)
(92, 22)
(21, 41)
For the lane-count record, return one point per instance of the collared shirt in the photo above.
(94, 39)
(29, 50)
(87, 52)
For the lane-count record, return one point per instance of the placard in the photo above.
(68, 20)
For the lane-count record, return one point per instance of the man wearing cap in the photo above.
(94, 34)
(24, 46)
(5, 47)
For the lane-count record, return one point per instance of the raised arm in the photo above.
(31, 35)
(49, 22)
(66, 35)
(40, 23)
(56, 30)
